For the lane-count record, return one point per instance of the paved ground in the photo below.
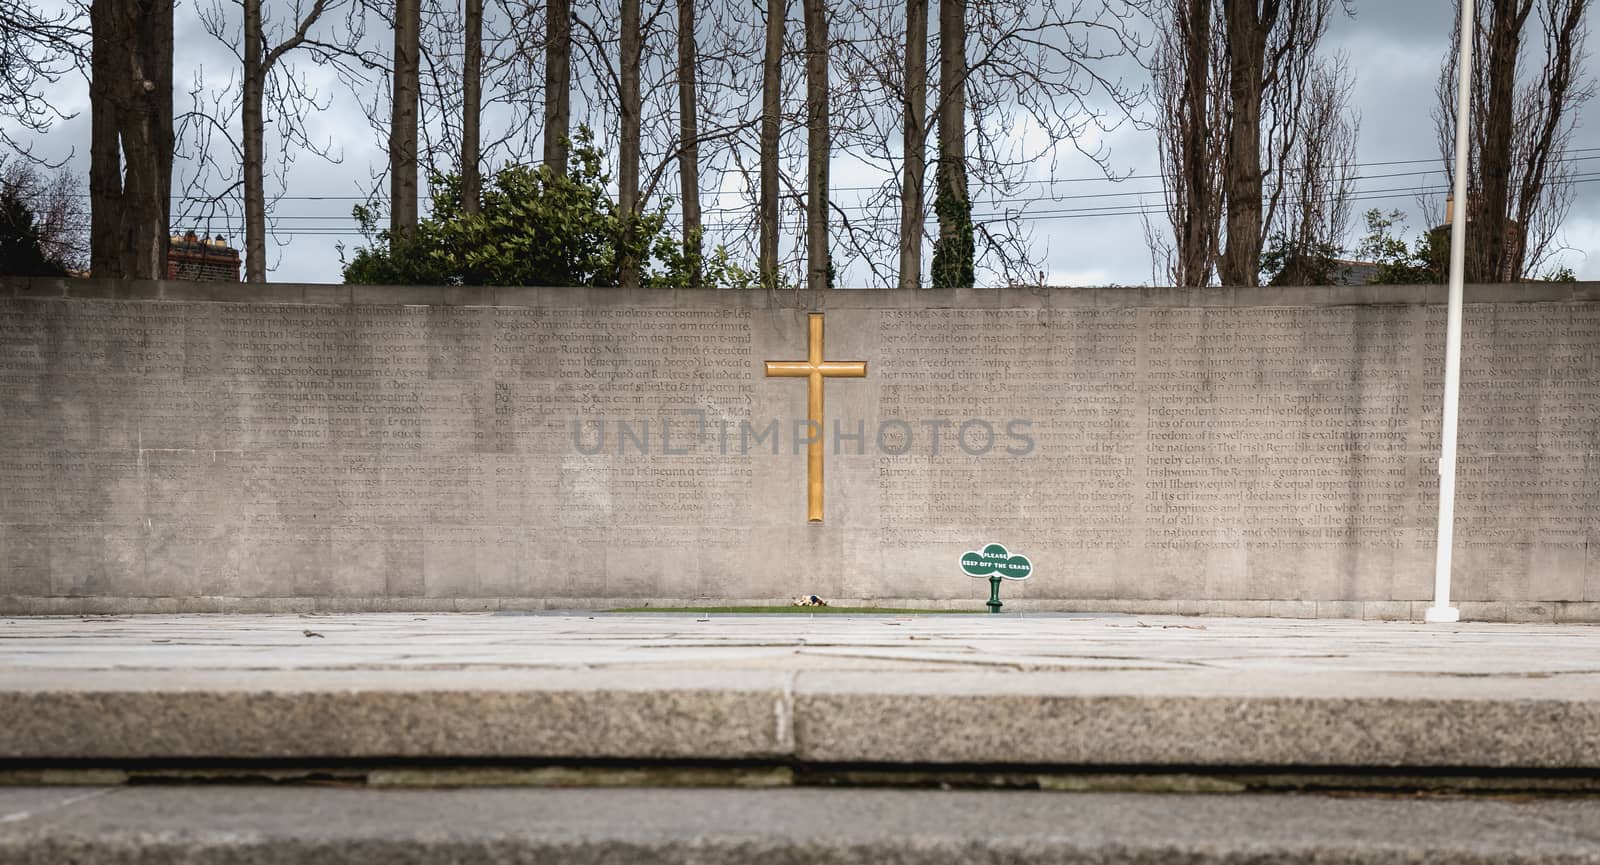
(64, 647)
(672, 711)
(938, 689)
(267, 826)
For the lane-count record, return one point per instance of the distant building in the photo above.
(1349, 272)
(1477, 247)
(201, 259)
(1324, 271)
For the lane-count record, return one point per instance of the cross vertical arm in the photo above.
(815, 371)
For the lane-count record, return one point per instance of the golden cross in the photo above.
(814, 369)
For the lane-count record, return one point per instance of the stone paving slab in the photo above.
(267, 826)
(540, 715)
(957, 723)
(1049, 690)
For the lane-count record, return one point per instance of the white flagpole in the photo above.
(1441, 611)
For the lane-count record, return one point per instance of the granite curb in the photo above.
(343, 719)
(266, 826)
(1108, 719)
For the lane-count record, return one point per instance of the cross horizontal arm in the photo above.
(788, 368)
(843, 368)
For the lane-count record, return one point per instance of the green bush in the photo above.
(533, 227)
(1398, 263)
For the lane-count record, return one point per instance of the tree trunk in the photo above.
(557, 83)
(953, 252)
(689, 136)
(105, 151)
(1248, 28)
(258, 63)
(1519, 188)
(1311, 172)
(628, 152)
(471, 108)
(771, 105)
(1490, 241)
(130, 172)
(403, 119)
(1197, 229)
(818, 267)
(914, 137)
(255, 203)
(1564, 91)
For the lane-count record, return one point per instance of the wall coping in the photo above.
(961, 298)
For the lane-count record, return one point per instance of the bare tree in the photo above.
(557, 83)
(689, 135)
(1517, 186)
(225, 170)
(628, 203)
(131, 142)
(208, 159)
(259, 61)
(674, 103)
(1248, 25)
(54, 198)
(870, 72)
(472, 109)
(1311, 159)
(953, 252)
(482, 88)
(1229, 77)
(441, 88)
(819, 267)
(1027, 65)
(36, 50)
(1040, 66)
(914, 143)
(1268, 42)
(1191, 103)
(1490, 252)
(771, 119)
(702, 104)
(403, 187)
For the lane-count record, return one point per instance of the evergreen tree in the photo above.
(21, 253)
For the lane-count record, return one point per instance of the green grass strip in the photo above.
(886, 611)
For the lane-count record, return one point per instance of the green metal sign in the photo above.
(996, 563)
(993, 560)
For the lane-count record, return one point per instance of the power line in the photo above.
(1138, 193)
(231, 223)
(1048, 181)
(1358, 195)
(1566, 157)
(234, 223)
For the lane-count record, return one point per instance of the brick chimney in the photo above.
(192, 257)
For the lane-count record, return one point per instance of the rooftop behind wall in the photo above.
(201, 259)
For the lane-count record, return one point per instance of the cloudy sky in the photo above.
(1395, 50)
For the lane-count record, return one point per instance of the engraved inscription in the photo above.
(156, 448)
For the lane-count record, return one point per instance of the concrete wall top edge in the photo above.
(998, 298)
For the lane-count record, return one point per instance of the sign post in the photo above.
(994, 562)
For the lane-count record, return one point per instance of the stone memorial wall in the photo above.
(1263, 451)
